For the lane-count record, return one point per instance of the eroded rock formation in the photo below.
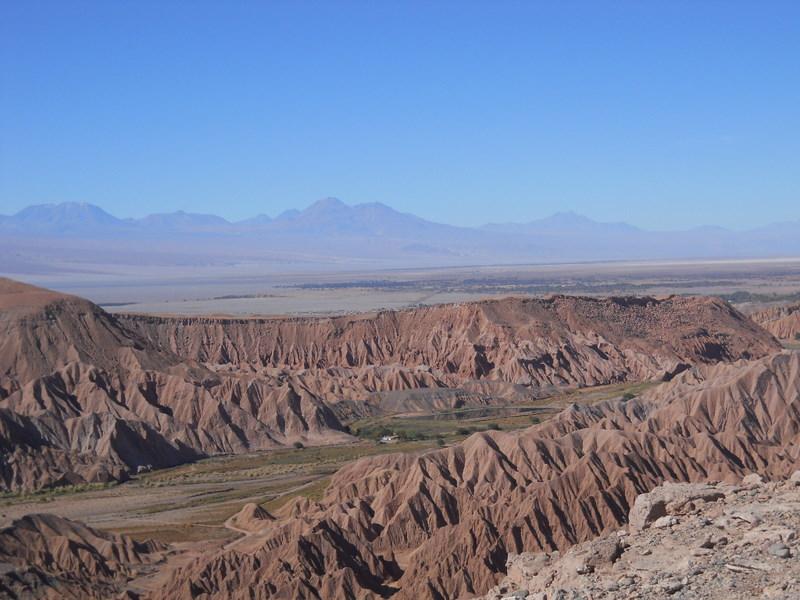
(51, 557)
(85, 399)
(561, 340)
(443, 525)
(86, 396)
(781, 321)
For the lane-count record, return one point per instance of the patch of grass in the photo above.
(169, 534)
(739, 297)
(50, 494)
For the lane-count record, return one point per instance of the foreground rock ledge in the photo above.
(718, 541)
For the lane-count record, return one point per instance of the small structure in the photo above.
(387, 439)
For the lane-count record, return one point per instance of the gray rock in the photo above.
(664, 522)
(649, 507)
(722, 523)
(748, 517)
(671, 587)
(779, 550)
(753, 479)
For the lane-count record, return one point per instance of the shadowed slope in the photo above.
(53, 557)
(86, 399)
(442, 525)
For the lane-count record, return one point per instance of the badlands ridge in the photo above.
(86, 396)
(781, 321)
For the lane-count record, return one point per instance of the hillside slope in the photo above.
(733, 541)
(442, 525)
(84, 399)
(563, 340)
(781, 321)
(51, 557)
(90, 397)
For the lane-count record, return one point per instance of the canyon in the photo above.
(93, 398)
(443, 525)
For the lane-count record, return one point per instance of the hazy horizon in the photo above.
(567, 213)
(460, 113)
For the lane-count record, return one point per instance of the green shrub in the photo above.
(299, 445)
(463, 431)
(628, 396)
(535, 420)
(493, 426)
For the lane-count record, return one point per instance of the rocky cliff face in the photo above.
(43, 331)
(444, 524)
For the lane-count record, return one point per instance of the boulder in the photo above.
(670, 498)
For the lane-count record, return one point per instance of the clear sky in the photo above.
(664, 114)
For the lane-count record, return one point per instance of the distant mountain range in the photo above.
(330, 230)
(326, 216)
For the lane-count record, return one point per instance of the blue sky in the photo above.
(663, 114)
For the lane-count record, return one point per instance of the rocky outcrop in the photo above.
(45, 556)
(730, 541)
(443, 525)
(781, 321)
(668, 499)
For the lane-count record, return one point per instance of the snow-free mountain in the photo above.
(331, 230)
